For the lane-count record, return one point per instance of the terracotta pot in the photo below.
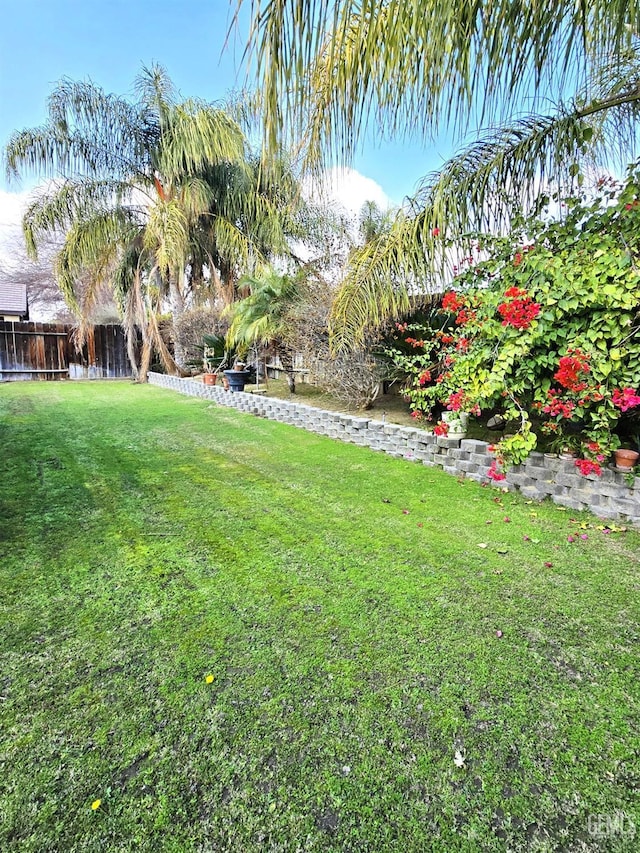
(625, 459)
(210, 378)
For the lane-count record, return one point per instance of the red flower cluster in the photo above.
(587, 466)
(424, 377)
(557, 407)
(593, 448)
(417, 415)
(402, 327)
(414, 343)
(625, 399)
(465, 316)
(463, 345)
(441, 428)
(494, 472)
(456, 401)
(570, 370)
(520, 310)
(450, 302)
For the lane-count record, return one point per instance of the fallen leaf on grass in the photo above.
(95, 805)
(459, 758)
(499, 634)
(482, 545)
(209, 678)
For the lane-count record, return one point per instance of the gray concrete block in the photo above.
(458, 453)
(571, 503)
(518, 479)
(482, 458)
(625, 506)
(444, 441)
(533, 493)
(472, 445)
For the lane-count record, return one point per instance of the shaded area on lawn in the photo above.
(346, 606)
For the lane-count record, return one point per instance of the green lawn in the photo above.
(345, 607)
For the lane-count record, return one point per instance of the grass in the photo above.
(347, 613)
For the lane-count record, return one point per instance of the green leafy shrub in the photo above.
(544, 326)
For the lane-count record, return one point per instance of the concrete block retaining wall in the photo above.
(609, 496)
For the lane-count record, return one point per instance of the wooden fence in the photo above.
(47, 351)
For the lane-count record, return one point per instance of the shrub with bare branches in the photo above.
(191, 328)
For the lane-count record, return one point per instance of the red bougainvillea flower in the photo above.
(571, 370)
(519, 310)
(456, 401)
(587, 466)
(424, 377)
(451, 302)
(494, 472)
(625, 399)
(441, 428)
(417, 415)
(436, 232)
(464, 317)
(517, 259)
(557, 407)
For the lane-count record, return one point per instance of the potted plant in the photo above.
(625, 459)
(238, 376)
(218, 355)
(457, 423)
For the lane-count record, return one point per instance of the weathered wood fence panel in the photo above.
(47, 351)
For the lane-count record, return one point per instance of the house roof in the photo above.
(13, 297)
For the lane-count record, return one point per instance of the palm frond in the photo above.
(491, 182)
(406, 65)
(54, 210)
(197, 136)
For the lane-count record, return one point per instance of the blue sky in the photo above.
(108, 41)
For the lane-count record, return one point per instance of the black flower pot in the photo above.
(237, 379)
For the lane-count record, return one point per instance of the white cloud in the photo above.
(351, 189)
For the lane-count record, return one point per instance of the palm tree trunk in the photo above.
(176, 299)
(145, 361)
(286, 360)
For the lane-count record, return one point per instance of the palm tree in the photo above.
(411, 66)
(263, 316)
(160, 198)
